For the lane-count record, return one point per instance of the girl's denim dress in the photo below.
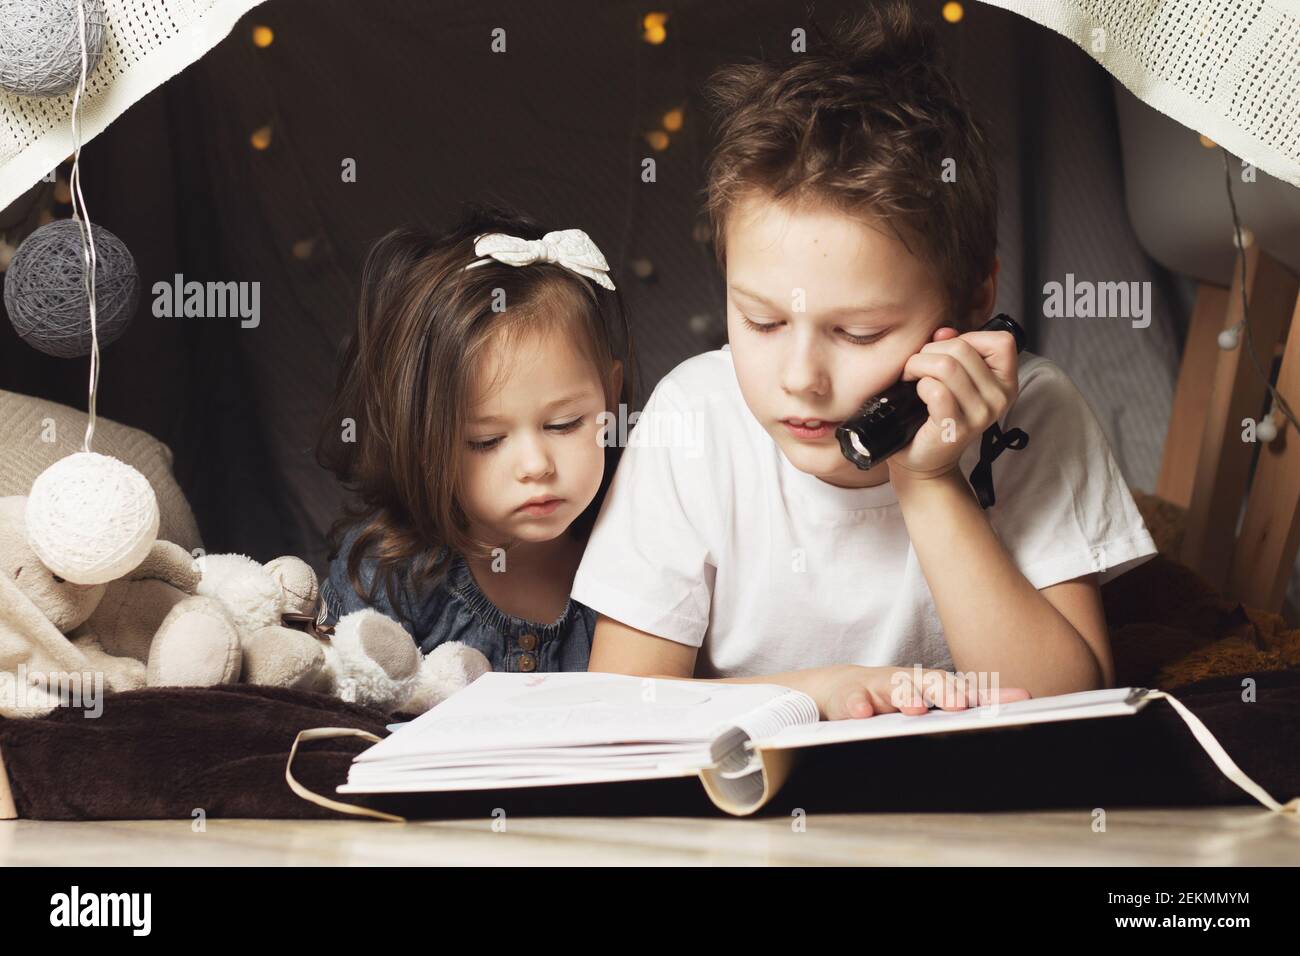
(455, 609)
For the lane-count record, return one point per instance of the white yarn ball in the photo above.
(91, 518)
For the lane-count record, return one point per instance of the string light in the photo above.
(263, 36)
(653, 30)
(1266, 430)
(261, 138)
(81, 215)
(953, 12)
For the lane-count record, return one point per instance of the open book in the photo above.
(550, 729)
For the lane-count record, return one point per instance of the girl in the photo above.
(468, 423)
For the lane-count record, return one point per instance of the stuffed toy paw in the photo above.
(444, 670)
(372, 660)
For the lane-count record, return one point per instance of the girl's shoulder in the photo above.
(412, 604)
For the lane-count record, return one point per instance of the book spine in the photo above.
(741, 796)
(771, 717)
(731, 750)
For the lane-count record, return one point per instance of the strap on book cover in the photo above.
(1220, 756)
(323, 733)
(8, 808)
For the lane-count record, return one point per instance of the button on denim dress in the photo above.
(455, 609)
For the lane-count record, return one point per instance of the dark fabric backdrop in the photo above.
(411, 91)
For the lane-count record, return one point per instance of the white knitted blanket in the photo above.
(1229, 69)
(147, 42)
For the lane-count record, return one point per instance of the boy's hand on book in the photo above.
(967, 382)
(847, 691)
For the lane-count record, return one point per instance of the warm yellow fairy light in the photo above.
(263, 36)
(673, 120)
(952, 12)
(657, 139)
(261, 138)
(653, 29)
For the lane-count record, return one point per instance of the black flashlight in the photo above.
(889, 421)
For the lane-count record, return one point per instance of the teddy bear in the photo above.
(366, 657)
(175, 620)
(145, 629)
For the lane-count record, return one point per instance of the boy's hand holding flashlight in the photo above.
(967, 382)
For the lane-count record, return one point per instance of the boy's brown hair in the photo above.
(865, 122)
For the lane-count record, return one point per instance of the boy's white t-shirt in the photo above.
(710, 537)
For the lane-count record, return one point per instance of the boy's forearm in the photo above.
(994, 620)
(795, 680)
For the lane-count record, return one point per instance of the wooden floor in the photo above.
(1228, 836)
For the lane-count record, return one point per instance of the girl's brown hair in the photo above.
(867, 121)
(394, 432)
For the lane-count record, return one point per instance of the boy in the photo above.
(759, 553)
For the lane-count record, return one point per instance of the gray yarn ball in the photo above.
(45, 291)
(40, 45)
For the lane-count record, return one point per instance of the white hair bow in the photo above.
(571, 248)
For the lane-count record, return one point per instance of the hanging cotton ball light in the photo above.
(1266, 430)
(91, 518)
(1228, 339)
(45, 291)
(40, 45)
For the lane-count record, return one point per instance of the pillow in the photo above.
(24, 421)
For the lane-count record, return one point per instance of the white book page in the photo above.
(516, 711)
(505, 779)
(1092, 703)
(585, 752)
